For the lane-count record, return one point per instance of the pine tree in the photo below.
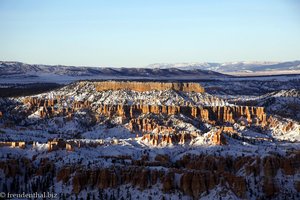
(100, 194)
(128, 195)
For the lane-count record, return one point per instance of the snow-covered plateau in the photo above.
(175, 141)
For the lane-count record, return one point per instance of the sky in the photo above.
(135, 33)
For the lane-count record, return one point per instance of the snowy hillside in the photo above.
(285, 103)
(17, 72)
(232, 66)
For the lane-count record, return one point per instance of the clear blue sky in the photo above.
(137, 33)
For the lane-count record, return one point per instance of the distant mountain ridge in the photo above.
(232, 66)
(18, 71)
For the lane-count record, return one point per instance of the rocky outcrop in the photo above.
(168, 182)
(148, 86)
(237, 184)
(64, 174)
(246, 115)
(168, 138)
(231, 114)
(56, 144)
(271, 165)
(80, 180)
(39, 102)
(19, 144)
(270, 188)
(289, 126)
(218, 138)
(217, 114)
(46, 166)
(283, 126)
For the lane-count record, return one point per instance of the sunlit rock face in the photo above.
(148, 86)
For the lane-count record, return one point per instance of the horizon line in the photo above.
(156, 63)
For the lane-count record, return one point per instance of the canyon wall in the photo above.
(147, 86)
(213, 114)
(246, 115)
(196, 174)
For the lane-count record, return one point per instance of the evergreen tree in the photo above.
(100, 194)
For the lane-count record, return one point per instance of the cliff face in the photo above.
(147, 86)
(217, 114)
(212, 114)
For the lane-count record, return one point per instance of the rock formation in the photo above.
(147, 86)
(196, 174)
(218, 137)
(221, 114)
(19, 144)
